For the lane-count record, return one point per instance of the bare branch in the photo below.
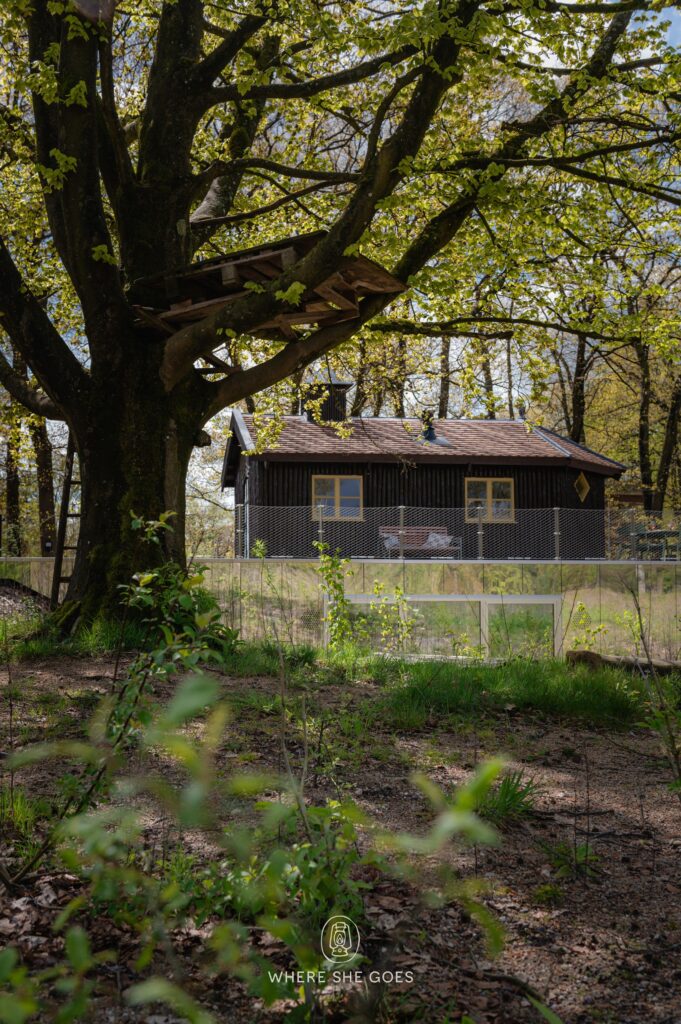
(453, 327)
(305, 90)
(220, 168)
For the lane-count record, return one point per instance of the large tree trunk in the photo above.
(489, 399)
(577, 429)
(669, 444)
(13, 535)
(644, 456)
(43, 462)
(133, 454)
(445, 378)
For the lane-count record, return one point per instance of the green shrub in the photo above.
(548, 895)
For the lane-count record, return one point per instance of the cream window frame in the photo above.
(488, 516)
(337, 517)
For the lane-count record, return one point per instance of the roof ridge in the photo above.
(540, 431)
(585, 448)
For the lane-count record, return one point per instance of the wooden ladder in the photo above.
(65, 514)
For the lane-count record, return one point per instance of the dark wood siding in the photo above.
(433, 495)
(425, 486)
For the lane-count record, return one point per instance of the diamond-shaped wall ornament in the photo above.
(582, 487)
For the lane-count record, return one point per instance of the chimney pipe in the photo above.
(428, 432)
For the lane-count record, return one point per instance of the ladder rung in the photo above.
(73, 515)
(64, 579)
(69, 547)
(75, 483)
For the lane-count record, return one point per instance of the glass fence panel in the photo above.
(518, 630)
(463, 578)
(543, 578)
(503, 579)
(447, 628)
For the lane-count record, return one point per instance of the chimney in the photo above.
(428, 432)
(428, 435)
(333, 393)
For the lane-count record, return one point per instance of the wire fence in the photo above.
(402, 532)
(455, 606)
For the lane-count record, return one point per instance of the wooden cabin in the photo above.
(379, 487)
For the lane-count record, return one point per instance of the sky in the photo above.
(674, 16)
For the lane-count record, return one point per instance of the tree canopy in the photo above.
(469, 147)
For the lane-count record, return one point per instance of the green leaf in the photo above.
(78, 949)
(72, 749)
(546, 1013)
(194, 696)
(293, 293)
(158, 990)
(16, 1009)
(8, 959)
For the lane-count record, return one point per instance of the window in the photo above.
(339, 497)
(493, 496)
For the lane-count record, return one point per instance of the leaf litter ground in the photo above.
(604, 946)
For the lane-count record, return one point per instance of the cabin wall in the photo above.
(275, 486)
(426, 486)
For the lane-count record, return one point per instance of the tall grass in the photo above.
(432, 690)
(34, 639)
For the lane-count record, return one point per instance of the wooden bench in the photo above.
(430, 540)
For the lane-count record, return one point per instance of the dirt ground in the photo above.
(600, 946)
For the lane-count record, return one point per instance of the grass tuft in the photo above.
(431, 691)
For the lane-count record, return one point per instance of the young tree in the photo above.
(135, 138)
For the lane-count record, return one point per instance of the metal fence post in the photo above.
(556, 533)
(400, 532)
(238, 531)
(320, 510)
(481, 535)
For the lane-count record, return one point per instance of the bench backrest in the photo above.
(413, 534)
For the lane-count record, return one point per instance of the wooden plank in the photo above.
(228, 274)
(152, 319)
(220, 364)
(327, 291)
(200, 308)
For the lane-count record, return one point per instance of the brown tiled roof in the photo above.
(379, 439)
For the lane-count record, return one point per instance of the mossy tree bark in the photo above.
(134, 444)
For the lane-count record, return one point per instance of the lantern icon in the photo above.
(340, 939)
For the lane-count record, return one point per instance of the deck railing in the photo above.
(387, 532)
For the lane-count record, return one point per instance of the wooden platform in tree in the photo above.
(168, 302)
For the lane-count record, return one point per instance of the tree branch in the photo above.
(442, 228)
(221, 167)
(204, 74)
(238, 218)
(68, 127)
(305, 90)
(450, 328)
(379, 178)
(479, 161)
(21, 390)
(35, 337)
